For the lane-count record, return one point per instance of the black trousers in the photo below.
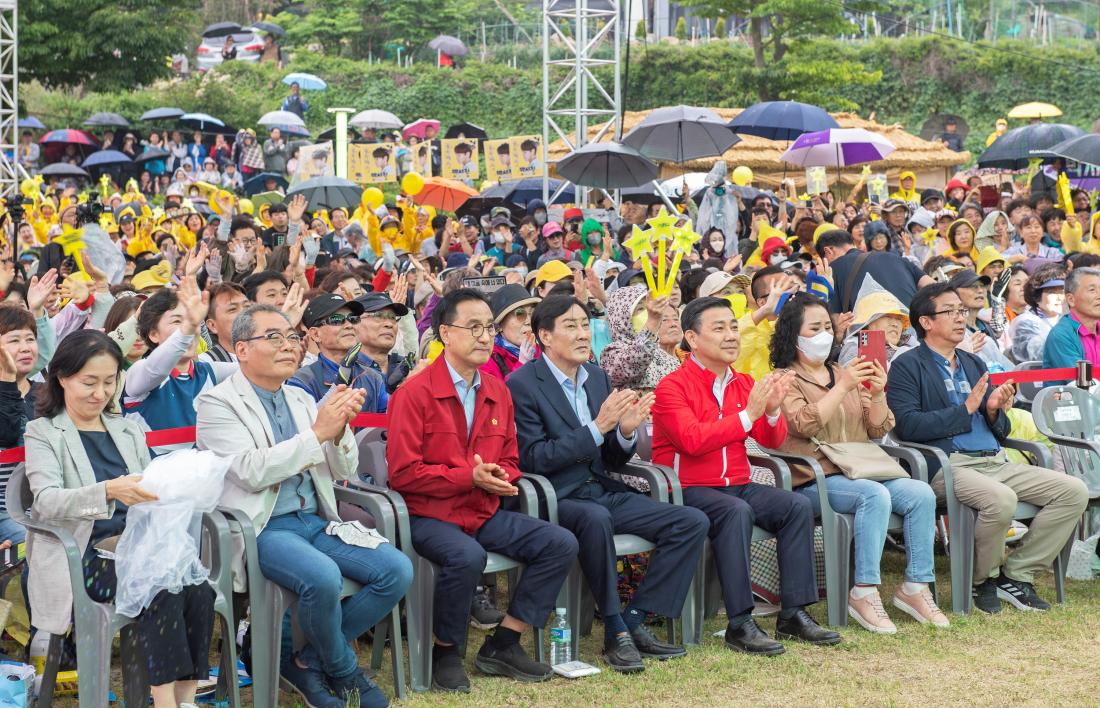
(733, 511)
(595, 515)
(173, 633)
(547, 551)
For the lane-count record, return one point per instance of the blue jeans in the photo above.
(297, 554)
(13, 530)
(871, 503)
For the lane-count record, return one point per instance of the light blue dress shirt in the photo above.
(466, 393)
(295, 493)
(578, 401)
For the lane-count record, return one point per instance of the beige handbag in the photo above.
(861, 460)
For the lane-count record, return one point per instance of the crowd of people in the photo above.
(270, 332)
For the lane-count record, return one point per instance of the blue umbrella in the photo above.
(306, 82)
(105, 157)
(255, 185)
(200, 121)
(525, 190)
(31, 123)
(781, 120)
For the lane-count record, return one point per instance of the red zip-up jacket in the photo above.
(706, 446)
(428, 455)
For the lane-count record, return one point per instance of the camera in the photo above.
(88, 213)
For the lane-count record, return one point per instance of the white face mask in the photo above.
(817, 347)
(717, 245)
(777, 258)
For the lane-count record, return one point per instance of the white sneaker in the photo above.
(870, 613)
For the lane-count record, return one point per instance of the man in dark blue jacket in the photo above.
(941, 396)
(576, 431)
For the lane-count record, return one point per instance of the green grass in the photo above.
(1013, 658)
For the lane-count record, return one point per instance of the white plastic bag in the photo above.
(159, 549)
(1081, 557)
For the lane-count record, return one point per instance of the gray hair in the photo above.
(1073, 280)
(244, 325)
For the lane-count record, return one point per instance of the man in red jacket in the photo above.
(452, 454)
(703, 414)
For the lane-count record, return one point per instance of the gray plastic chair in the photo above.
(575, 595)
(963, 519)
(420, 600)
(270, 601)
(95, 623)
(838, 529)
(1027, 391)
(1068, 416)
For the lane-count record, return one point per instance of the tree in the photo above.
(775, 25)
(681, 29)
(720, 28)
(102, 44)
(639, 31)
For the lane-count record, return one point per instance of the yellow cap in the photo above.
(989, 255)
(876, 304)
(155, 277)
(552, 272)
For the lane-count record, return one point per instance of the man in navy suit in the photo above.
(576, 431)
(941, 396)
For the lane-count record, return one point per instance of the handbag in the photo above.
(861, 460)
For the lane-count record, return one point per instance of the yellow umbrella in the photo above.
(1035, 110)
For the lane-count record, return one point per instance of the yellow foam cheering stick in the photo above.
(640, 245)
(683, 239)
(1064, 195)
(72, 243)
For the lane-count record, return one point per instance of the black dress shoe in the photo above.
(622, 656)
(649, 646)
(749, 638)
(802, 626)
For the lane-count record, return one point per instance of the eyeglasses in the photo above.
(479, 329)
(521, 314)
(338, 319)
(278, 339)
(960, 313)
(385, 315)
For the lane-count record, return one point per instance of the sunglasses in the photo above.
(338, 319)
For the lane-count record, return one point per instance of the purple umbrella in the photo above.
(837, 147)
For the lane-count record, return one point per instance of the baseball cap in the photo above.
(892, 204)
(922, 217)
(552, 272)
(550, 228)
(714, 283)
(373, 302)
(1052, 283)
(573, 213)
(967, 278)
(929, 194)
(322, 306)
(469, 220)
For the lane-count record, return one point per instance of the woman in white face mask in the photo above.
(830, 404)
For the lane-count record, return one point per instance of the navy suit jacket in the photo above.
(552, 441)
(922, 409)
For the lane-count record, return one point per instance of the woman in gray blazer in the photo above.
(84, 464)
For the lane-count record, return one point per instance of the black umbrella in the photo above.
(221, 29)
(1084, 149)
(467, 130)
(607, 166)
(152, 155)
(255, 185)
(937, 126)
(113, 120)
(448, 45)
(269, 27)
(494, 196)
(162, 113)
(781, 120)
(1016, 148)
(647, 194)
(681, 133)
(63, 169)
(328, 193)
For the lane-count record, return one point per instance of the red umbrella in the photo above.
(419, 128)
(54, 143)
(444, 194)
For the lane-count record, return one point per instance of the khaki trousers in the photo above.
(992, 486)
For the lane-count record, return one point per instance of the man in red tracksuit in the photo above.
(703, 414)
(452, 453)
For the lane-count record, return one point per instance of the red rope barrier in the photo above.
(1034, 375)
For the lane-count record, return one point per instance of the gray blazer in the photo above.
(233, 423)
(67, 495)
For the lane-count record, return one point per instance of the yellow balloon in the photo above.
(742, 175)
(373, 197)
(412, 183)
(246, 206)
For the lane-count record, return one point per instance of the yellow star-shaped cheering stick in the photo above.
(683, 239)
(640, 245)
(661, 228)
(72, 243)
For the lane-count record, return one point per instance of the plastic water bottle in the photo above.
(561, 640)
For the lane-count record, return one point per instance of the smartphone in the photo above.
(872, 346)
(990, 196)
(874, 199)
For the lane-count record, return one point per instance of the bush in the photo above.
(720, 28)
(681, 29)
(639, 31)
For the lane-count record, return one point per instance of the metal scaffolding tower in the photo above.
(571, 92)
(9, 99)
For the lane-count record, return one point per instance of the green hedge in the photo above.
(899, 80)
